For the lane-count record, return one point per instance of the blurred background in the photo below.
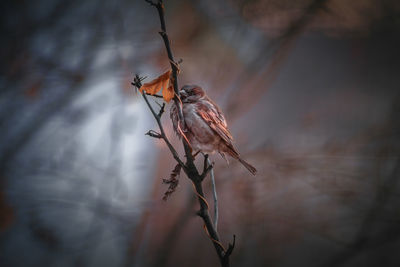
(310, 90)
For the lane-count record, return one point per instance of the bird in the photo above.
(205, 127)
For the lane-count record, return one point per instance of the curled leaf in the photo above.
(172, 181)
(161, 82)
(168, 93)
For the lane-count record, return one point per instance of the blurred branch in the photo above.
(366, 237)
(33, 126)
(189, 167)
(75, 78)
(174, 233)
(263, 68)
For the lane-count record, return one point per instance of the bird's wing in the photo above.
(174, 118)
(210, 113)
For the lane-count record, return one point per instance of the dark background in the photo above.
(310, 89)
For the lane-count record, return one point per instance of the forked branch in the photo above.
(188, 167)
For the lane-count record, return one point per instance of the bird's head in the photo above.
(191, 93)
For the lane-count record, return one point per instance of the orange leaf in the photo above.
(161, 82)
(168, 93)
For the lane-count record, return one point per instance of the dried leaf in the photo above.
(161, 82)
(168, 93)
(172, 181)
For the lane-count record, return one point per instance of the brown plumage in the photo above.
(206, 128)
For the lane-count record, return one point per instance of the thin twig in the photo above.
(162, 110)
(215, 197)
(154, 134)
(206, 171)
(137, 83)
(206, 165)
(155, 95)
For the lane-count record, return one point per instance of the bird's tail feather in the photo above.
(248, 166)
(234, 154)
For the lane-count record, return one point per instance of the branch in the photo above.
(174, 66)
(138, 83)
(154, 134)
(157, 96)
(207, 168)
(189, 167)
(162, 110)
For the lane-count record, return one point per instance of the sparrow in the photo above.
(205, 126)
